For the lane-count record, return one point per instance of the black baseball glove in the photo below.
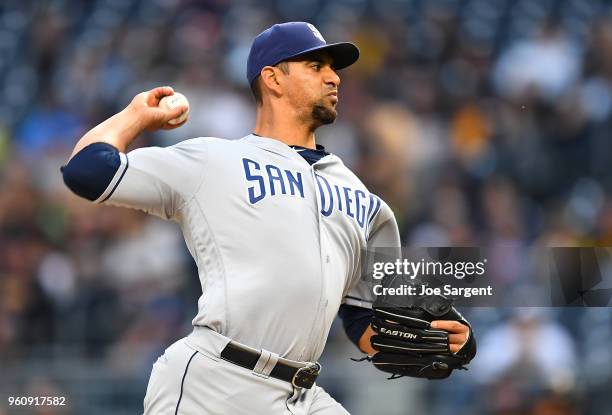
(408, 346)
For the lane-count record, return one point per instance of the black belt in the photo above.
(300, 377)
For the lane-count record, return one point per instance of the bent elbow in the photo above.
(91, 170)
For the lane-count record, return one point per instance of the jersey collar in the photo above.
(310, 155)
(278, 147)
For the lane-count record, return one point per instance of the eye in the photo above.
(316, 66)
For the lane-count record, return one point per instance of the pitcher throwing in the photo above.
(276, 226)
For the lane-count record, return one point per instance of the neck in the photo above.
(284, 126)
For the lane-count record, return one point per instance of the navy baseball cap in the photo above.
(289, 40)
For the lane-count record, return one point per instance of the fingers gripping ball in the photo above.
(173, 101)
(408, 346)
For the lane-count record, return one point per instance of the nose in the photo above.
(331, 77)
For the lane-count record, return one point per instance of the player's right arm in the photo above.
(153, 179)
(142, 114)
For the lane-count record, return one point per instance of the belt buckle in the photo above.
(305, 376)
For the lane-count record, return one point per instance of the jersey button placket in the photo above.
(325, 259)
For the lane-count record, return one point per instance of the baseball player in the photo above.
(275, 224)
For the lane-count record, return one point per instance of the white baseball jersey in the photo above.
(278, 242)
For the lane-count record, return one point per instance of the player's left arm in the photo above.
(356, 311)
(385, 233)
(458, 336)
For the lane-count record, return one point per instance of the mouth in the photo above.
(334, 96)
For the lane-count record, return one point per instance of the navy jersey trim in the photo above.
(310, 155)
(183, 382)
(355, 321)
(90, 172)
(127, 164)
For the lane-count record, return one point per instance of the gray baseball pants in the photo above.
(191, 379)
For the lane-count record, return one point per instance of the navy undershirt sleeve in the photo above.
(91, 170)
(355, 321)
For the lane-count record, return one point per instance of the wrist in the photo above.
(132, 122)
(125, 126)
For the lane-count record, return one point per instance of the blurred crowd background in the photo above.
(481, 122)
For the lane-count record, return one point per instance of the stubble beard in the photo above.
(323, 114)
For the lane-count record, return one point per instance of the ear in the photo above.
(270, 80)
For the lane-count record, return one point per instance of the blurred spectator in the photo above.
(544, 67)
(528, 352)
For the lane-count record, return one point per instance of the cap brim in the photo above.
(343, 54)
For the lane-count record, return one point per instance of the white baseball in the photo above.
(173, 101)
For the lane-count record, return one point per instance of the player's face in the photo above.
(313, 88)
